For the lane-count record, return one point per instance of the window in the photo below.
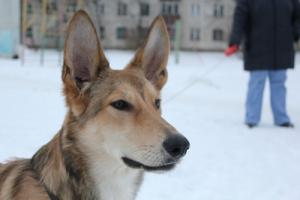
(170, 8)
(121, 33)
(218, 35)
(29, 32)
(65, 18)
(195, 10)
(51, 8)
(145, 9)
(175, 9)
(101, 9)
(195, 34)
(122, 9)
(102, 32)
(218, 10)
(71, 7)
(164, 9)
(29, 8)
(143, 32)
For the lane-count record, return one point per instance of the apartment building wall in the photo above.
(109, 21)
(206, 16)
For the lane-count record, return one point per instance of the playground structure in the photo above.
(47, 20)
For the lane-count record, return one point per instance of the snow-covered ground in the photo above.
(227, 161)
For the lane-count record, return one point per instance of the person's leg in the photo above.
(278, 96)
(255, 96)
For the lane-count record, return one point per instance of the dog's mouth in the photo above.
(137, 165)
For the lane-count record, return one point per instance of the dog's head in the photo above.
(117, 112)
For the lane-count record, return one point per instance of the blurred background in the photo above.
(204, 97)
(41, 24)
(205, 24)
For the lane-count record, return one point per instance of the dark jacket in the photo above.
(269, 28)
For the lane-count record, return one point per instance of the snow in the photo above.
(227, 161)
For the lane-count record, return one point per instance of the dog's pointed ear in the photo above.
(84, 61)
(152, 57)
(83, 56)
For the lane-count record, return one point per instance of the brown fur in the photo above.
(84, 159)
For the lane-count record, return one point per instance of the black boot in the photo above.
(287, 125)
(250, 125)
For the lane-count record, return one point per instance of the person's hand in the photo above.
(231, 50)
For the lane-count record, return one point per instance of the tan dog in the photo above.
(113, 130)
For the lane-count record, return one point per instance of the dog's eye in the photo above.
(157, 103)
(121, 105)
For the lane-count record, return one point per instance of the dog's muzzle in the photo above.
(176, 146)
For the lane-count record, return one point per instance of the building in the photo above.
(9, 28)
(205, 24)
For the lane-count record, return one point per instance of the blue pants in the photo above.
(256, 86)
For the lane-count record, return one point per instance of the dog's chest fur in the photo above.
(116, 182)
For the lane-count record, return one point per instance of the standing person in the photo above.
(268, 28)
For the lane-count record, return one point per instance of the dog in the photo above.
(113, 130)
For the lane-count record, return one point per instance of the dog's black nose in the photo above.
(176, 145)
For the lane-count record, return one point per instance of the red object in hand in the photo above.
(231, 50)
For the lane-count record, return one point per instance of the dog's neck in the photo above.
(67, 173)
(114, 180)
(62, 170)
